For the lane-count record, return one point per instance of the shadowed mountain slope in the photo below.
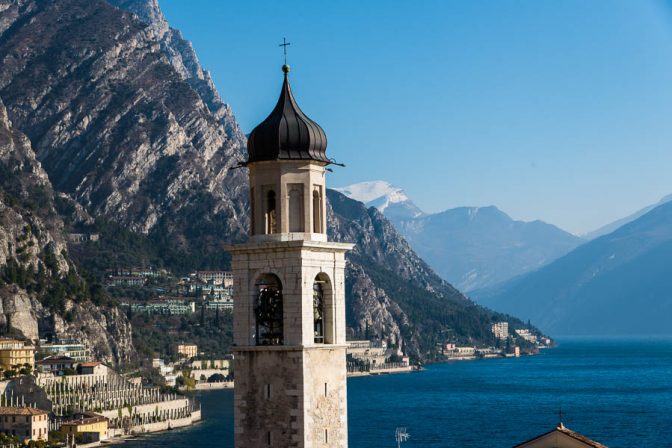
(620, 283)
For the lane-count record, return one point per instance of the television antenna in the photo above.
(401, 435)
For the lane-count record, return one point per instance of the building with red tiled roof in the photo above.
(560, 437)
(92, 368)
(25, 423)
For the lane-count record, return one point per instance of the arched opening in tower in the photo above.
(322, 310)
(268, 311)
(318, 312)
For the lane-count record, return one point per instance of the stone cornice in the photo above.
(287, 348)
(284, 245)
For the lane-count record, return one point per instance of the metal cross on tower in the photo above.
(284, 45)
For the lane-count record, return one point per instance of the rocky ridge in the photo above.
(114, 124)
(184, 60)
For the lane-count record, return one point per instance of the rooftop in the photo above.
(55, 359)
(90, 364)
(568, 432)
(6, 410)
(85, 418)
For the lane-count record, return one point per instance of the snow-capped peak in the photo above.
(384, 196)
(372, 190)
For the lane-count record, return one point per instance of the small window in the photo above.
(268, 438)
(268, 391)
(253, 213)
(325, 389)
(326, 435)
(271, 215)
(317, 210)
(296, 218)
(318, 312)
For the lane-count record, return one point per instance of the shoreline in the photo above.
(142, 431)
(390, 371)
(484, 358)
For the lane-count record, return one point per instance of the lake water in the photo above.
(618, 392)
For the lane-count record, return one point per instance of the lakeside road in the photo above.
(616, 391)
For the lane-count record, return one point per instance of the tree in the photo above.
(187, 381)
(216, 378)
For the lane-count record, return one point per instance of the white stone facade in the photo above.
(500, 330)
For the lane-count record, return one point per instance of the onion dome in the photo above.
(287, 133)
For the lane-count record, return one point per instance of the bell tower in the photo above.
(289, 301)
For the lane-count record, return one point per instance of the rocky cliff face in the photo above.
(29, 224)
(115, 125)
(33, 258)
(182, 57)
(105, 330)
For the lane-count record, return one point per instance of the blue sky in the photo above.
(553, 110)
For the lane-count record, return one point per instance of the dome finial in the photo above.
(287, 133)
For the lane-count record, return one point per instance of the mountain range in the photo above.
(134, 143)
(619, 283)
(393, 202)
(607, 229)
(472, 247)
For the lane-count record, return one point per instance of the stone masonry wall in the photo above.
(325, 389)
(255, 412)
